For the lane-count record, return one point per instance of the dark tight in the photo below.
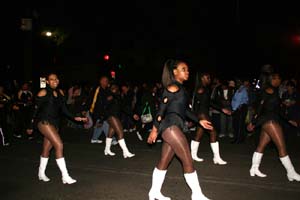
(272, 131)
(115, 126)
(51, 139)
(175, 143)
(200, 131)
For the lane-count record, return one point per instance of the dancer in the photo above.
(50, 102)
(202, 103)
(112, 114)
(267, 118)
(170, 121)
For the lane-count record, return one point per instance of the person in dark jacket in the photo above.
(97, 105)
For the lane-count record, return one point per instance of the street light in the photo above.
(48, 33)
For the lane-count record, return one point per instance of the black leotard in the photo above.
(48, 108)
(115, 106)
(174, 109)
(203, 102)
(269, 108)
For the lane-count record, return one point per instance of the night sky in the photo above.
(214, 36)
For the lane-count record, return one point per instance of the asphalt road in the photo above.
(115, 178)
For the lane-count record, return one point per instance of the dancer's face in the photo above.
(181, 73)
(53, 81)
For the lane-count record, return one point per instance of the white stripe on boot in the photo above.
(256, 160)
(158, 178)
(217, 158)
(66, 178)
(42, 168)
(193, 182)
(194, 151)
(291, 173)
(126, 152)
(107, 150)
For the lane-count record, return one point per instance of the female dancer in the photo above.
(112, 114)
(50, 102)
(202, 103)
(267, 118)
(170, 121)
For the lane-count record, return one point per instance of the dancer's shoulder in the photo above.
(173, 88)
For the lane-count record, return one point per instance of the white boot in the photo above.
(291, 173)
(256, 159)
(107, 150)
(42, 168)
(194, 151)
(193, 182)
(66, 179)
(158, 178)
(126, 152)
(217, 158)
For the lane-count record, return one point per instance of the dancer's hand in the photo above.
(206, 124)
(152, 136)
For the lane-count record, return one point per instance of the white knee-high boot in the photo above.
(158, 178)
(291, 173)
(126, 152)
(42, 168)
(193, 182)
(256, 160)
(107, 150)
(216, 151)
(194, 150)
(66, 179)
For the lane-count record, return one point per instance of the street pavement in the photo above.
(115, 178)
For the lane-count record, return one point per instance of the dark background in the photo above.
(214, 36)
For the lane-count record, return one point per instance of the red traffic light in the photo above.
(106, 57)
(113, 74)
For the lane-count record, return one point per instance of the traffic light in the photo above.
(113, 74)
(106, 57)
